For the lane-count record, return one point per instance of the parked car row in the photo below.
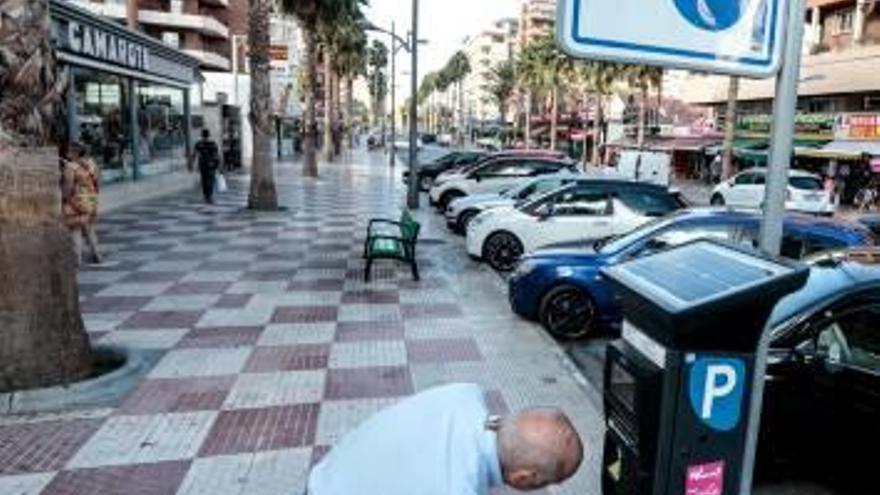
(556, 228)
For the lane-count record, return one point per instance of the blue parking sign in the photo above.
(716, 387)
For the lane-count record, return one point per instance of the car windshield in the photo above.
(806, 183)
(614, 244)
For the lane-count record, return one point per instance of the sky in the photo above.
(444, 23)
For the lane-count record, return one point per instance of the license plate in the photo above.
(813, 197)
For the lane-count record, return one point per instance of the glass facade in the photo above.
(161, 122)
(101, 121)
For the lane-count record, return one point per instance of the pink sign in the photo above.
(705, 479)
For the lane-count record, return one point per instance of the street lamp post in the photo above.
(410, 45)
(391, 153)
(413, 186)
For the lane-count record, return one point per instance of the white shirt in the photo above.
(434, 443)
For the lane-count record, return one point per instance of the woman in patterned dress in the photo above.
(80, 188)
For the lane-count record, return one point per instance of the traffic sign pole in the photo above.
(781, 146)
(782, 131)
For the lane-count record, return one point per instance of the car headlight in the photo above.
(524, 268)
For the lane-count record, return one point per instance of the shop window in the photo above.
(101, 122)
(842, 22)
(162, 129)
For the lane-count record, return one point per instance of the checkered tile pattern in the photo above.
(272, 345)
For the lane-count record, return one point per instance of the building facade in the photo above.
(486, 51)
(129, 97)
(536, 19)
(199, 28)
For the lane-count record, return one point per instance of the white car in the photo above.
(746, 190)
(461, 211)
(492, 176)
(587, 209)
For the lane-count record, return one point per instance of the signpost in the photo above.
(736, 37)
(750, 38)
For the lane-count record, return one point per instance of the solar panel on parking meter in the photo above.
(680, 384)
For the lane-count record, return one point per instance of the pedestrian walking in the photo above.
(208, 154)
(80, 188)
(445, 442)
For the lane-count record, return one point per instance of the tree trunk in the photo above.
(461, 132)
(528, 135)
(599, 130)
(310, 125)
(729, 129)
(643, 114)
(43, 341)
(554, 116)
(328, 109)
(263, 196)
(349, 113)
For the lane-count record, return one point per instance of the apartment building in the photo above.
(536, 18)
(486, 50)
(199, 28)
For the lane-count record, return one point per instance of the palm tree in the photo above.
(426, 90)
(458, 68)
(350, 61)
(729, 128)
(643, 77)
(530, 74)
(311, 14)
(263, 195)
(377, 62)
(502, 83)
(44, 340)
(546, 69)
(599, 78)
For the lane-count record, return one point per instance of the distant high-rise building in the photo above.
(486, 51)
(536, 19)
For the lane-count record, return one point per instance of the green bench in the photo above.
(392, 240)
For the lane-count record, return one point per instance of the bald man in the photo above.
(444, 442)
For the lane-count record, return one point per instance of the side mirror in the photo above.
(545, 211)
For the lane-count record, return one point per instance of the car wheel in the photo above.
(718, 200)
(502, 251)
(425, 183)
(465, 219)
(448, 197)
(568, 312)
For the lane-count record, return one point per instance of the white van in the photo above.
(651, 167)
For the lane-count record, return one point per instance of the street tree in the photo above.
(377, 62)
(729, 128)
(43, 340)
(502, 84)
(644, 77)
(547, 70)
(263, 195)
(458, 68)
(599, 78)
(311, 14)
(349, 62)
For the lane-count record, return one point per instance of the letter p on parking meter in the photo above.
(716, 389)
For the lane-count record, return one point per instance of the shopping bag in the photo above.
(220, 184)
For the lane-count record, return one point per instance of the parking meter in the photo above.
(679, 383)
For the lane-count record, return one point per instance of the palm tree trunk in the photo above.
(310, 160)
(263, 195)
(328, 108)
(729, 129)
(528, 121)
(461, 133)
(44, 341)
(349, 112)
(643, 114)
(599, 130)
(554, 116)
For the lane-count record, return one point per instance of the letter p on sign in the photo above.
(716, 389)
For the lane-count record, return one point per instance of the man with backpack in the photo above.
(208, 154)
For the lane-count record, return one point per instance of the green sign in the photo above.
(807, 126)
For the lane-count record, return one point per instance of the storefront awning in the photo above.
(859, 148)
(667, 144)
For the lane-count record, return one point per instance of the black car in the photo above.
(428, 172)
(822, 399)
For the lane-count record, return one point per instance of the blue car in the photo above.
(563, 289)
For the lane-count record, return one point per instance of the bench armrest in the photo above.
(382, 221)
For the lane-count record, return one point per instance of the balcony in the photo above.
(210, 60)
(205, 25)
(113, 9)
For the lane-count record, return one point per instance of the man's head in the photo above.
(206, 134)
(538, 447)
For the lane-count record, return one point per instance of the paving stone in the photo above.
(366, 354)
(256, 390)
(297, 333)
(201, 362)
(338, 417)
(132, 479)
(25, 484)
(42, 446)
(368, 383)
(144, 339)
(265, 429)
(277, 472)
(180, 395)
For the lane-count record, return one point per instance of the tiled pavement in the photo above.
(274, 347)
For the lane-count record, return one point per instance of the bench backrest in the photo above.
(409, 228)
